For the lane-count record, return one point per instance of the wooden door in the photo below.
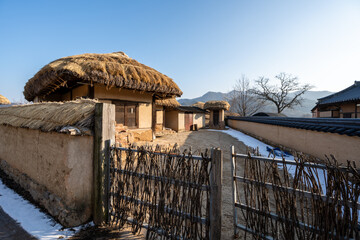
(188, 121)
(216, 117)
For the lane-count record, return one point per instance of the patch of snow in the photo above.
(250, 141)
(31, 218)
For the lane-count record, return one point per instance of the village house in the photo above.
(111, 78)
(217, 113)
(343, 104)
(185, 118)
(163, 106)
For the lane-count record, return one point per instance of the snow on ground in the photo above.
(31, 218)
(249, 141)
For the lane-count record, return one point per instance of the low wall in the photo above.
(317, 144)
(55, 168)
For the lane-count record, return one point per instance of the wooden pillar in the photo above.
(215, 193)
(104, 135)
(153, 118)
(234, 188)
(355, 109)
(163, 111)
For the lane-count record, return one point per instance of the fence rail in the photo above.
(169, 194)
(306, 203)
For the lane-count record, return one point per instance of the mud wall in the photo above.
(56, 168)
(317, 144)
(199, 119)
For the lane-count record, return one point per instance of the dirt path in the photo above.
(201, 140)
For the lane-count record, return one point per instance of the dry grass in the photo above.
(50, 116)
(4, 100)
(216, 105)
(199, 105)
(111, 69)
(170, 102)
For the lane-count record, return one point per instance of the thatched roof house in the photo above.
(4, 100)
(217, 105)
(115, 78)
(217, 113)
(199, 105)
(110, 69)
(170, 103)
(51, 116)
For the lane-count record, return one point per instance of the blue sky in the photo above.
(203, 45)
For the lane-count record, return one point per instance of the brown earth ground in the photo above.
(197, 141)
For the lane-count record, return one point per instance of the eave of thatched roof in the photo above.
(50, 116)
(170, 102)
(216, 105)
(4, 100)
(110, 69)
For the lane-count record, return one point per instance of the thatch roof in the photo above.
(170, 102)
(4, 100)
(216, 105)
(110, 69)
(50, 116)
(199, 105)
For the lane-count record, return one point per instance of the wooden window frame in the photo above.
(136, 112)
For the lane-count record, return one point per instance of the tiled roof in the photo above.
(351, 93)
(269, 114)
(350, 127)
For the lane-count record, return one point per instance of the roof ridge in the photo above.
(356, 84)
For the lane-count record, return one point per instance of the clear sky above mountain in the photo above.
(203, 45)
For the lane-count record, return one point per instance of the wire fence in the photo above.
(163, 190)
(314, 201)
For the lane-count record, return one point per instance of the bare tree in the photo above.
(279, 95)
(242, 100)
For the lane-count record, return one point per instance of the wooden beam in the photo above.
(215, 193)
(153, 118)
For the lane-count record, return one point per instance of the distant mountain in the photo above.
(310, 99)
(209, 96)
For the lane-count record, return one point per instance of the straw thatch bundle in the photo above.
(4, 100)
(170, 102)
(199, 105)
(50, 116)
(111, 69)
(216, 105)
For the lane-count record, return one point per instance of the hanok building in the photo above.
(179, 118)
(343, 104)
(163, 106)
(111, 78)
(194, 117)
(217, 113)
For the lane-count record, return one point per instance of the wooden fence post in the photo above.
(215, 193)
(234, 188)
(104, 134)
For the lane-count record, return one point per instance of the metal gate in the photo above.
(171, 194)
(281, 199)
